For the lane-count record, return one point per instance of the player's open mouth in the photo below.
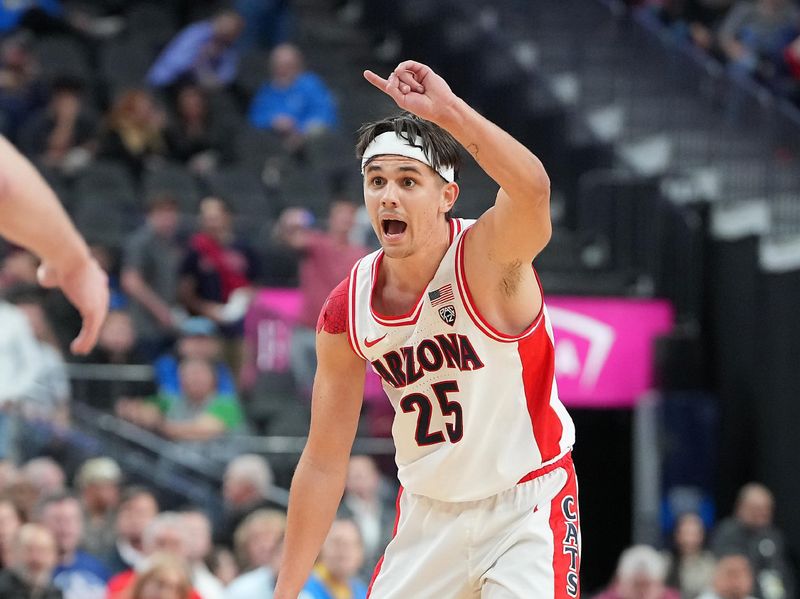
(392, 228)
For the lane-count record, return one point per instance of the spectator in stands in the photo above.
(197, 136)
(750, 531)
(17, 14)
(280, 254)
(733, 579)
(149, 267)
(295, 103)
(327, 258)
(267, 22)
(366, 503)
(49, 17)
(203, 53)
(640, 574)
(198, 532)
(340, 559)
(258, 541)
(18, 268)
(98, 482)
(700, 18)
(165, 577)
(10, 521)
(791, 83)
(134, 131)
(754, 34)
(137, 509)
(8, 474)
(78, 574)
(24, 495)
(198, 413)
(47, 399)
(46, 476)
(62, 135)
(198, 340)
(690, 567)
(217, 274)
(32, 562)
(165, 535)
(116, 345)
(22, 91)
(222, 564)
(246, 487)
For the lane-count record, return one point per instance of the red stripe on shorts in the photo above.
(394, 534)
(565, 525)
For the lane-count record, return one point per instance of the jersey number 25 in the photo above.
(423, 404)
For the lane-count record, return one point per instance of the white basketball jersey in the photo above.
(475, 410)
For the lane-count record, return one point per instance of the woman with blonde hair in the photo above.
(165, 576)
(135, 130)
(259, 546)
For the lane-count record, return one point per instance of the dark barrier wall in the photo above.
(777, 388)
(732, 330)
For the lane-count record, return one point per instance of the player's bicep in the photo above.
(336, 400)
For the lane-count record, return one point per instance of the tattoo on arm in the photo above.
(473, 149)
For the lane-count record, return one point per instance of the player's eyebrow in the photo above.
(402, 169)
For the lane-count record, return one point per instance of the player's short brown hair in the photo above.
(438, 144)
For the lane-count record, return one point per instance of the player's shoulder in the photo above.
(333, 316)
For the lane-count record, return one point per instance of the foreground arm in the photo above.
(318, 482)
(32, 216)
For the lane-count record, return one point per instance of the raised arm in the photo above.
(318, 482)
(32, 216)
(500, 247)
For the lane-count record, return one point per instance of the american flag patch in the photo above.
(442, 295)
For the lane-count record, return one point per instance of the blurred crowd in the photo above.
(755, 39)
(744, 557)
(101, 538)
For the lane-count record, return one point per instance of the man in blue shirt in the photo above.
(203, 53)
(78, 574)
(341, 556)
(295, 102)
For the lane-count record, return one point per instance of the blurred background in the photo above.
(205, 150)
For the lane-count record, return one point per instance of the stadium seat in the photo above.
(101, 219)
(176, 179)
(244, 191)
(111, 180)
(63, 56)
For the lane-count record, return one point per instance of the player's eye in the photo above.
(407, 182)
(377, 181)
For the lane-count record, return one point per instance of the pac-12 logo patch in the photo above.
(448, 314)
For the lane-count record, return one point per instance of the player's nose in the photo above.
(389, 197)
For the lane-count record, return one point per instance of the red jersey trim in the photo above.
(472, 310)
(351, 313)
(412, 316)
(408, 318)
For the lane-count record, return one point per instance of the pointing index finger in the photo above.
(376, 80)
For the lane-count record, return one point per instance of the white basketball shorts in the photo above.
(523, 543)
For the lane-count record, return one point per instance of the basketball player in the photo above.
(450, 314)
(31, 216)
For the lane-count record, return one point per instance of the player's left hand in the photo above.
(416, 88)
(86, 286)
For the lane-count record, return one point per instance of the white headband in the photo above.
(392, 143)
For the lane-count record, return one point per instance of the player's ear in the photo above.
(449, 196)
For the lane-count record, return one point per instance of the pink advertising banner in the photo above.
(604, 346)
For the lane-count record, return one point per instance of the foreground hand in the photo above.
(416, 88)
(86, 286)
